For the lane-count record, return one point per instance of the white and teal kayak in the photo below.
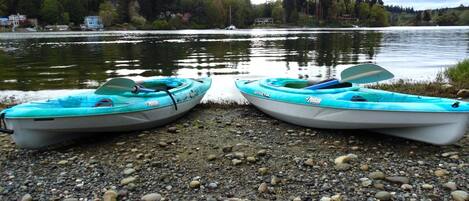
(437, 121)
(111, 108)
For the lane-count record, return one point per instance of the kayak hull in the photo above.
(43, 123)
(432, 120)
(36, 133)
(435, 128)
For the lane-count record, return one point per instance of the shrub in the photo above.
(459, 74)
(161, 24)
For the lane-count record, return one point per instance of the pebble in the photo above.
(400, 180)
(236, 161)
(128, 180)
(27, 197)
(297, 198)
(337, 197)
(71, 199)
(62, 162)
(110, 195)
(251, 159)
(172, 129)
(163, 144)
(325, 198)
(238, 155)
(446, 154)
(211, 157)
(450, 185)
(406, 187)
(263, 170)
(227, 149)
(212, 185)
(366, 182)
(151, 197)
(378, 186)
(427, 186)
(309, 162)
(345, 159)
(441, 172)
(129, 171)
(364, 167)
(460, 195)
(377, 175)
(194, 184)
(343, 166)
(383, 195)
(262, 152)
(263, 188)
(275, 180)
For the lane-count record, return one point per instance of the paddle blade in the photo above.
(365, 73)
(116, 86)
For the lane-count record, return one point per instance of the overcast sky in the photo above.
(416, 4)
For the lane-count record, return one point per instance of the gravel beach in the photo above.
(230, 152)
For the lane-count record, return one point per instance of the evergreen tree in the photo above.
(427, 16)
(51, 12)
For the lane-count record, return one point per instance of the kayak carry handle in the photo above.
(137, 89)
(3, 125)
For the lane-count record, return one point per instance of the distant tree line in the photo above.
(178, 14)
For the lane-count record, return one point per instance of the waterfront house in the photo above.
(92, 23)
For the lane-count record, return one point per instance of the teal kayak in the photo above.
(41, 123)
(348, 106)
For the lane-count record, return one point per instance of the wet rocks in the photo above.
(62, 162)
(251, 159)
(460, 195)
(406, 187)
(212, 185)
(427, 186)
(262, 152)
(366, 182)
(151, 197)
(275, 180)
(398, 180)
(383, 195)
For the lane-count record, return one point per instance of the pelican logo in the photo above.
(260, 93)
(152, 103)
(313, 100)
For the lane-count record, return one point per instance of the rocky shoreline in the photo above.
(221, 152)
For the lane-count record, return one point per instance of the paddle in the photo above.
(121, 85)
(359, 74)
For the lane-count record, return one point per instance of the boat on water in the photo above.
(119, 105)
(344, 105)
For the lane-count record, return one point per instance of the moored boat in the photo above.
(114, 107)
(345, 105)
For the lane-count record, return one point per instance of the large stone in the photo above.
(345, 159)
(263, 188)
(399, 180)
(377, 175)
(383, 195)
(450, 185)
(129, 171)
(151, 197)
(128, 180)
(460, 195)
(110, 195)
(27, 197)
(309, 162)
(463, 93)
(194, 184)
(441, 172)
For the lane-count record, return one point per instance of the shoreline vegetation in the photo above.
(213, 14)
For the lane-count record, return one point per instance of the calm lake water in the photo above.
(42, 65)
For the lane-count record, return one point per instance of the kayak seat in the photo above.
(105, 102)
(358, 99)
